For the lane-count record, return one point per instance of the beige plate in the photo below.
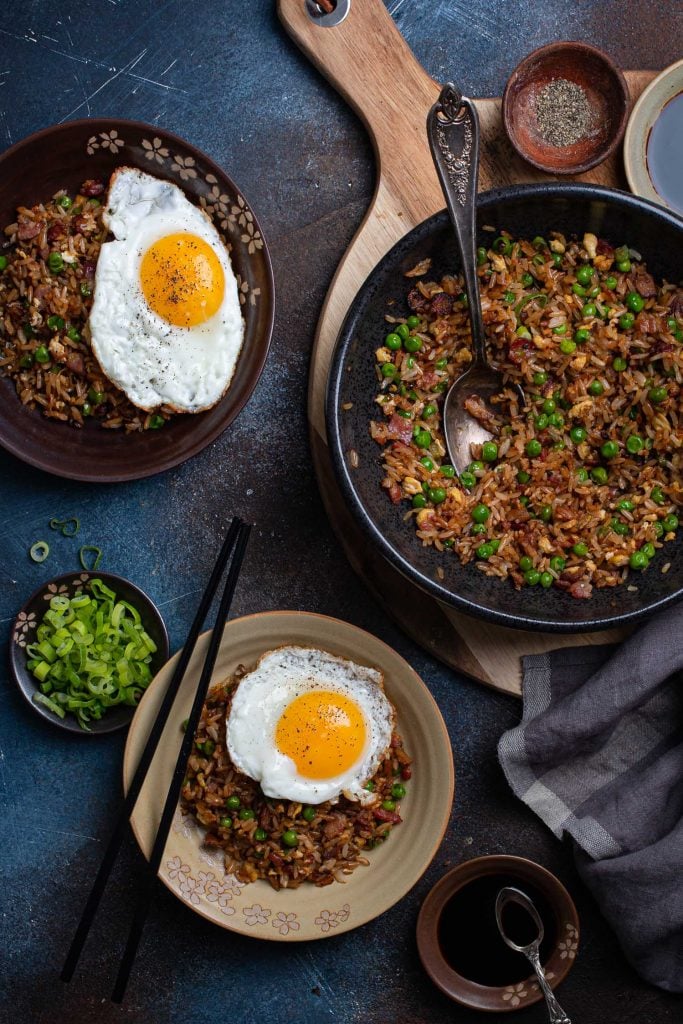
(196, 875)
(646, 111)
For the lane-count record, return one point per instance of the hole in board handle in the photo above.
(320, 14)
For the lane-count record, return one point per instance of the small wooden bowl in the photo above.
(29, 618)
(606, 91)
(503, 998)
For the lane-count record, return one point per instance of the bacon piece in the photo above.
(603, 248)
(395, 493)
(382, 815)
(92, 187)
(477, 407)
(417, 301)
(648, 323)
(275, 859)
(676, 304)
(334, 827)
(429, 379)
(581, 590)
(55, 231)
(88, 268)
(28, 229)
(441, 304)
(645, 284)
(74, 362)
(400, 429)
(406, 773)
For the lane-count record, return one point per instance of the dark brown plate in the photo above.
(606, 91)
(65, 155)
(30, 617)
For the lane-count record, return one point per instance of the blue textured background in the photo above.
(225, 76)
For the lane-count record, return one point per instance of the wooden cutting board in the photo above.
(367, 60)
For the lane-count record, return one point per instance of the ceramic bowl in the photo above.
(502, 998)
(29, 618)
(196, 874)
(65, 155)
(646, 111)
(606, 91)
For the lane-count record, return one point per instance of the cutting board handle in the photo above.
(367, 60)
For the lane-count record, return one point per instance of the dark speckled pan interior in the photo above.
(525, 211)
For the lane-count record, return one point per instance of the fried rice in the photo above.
(583, 482)
(332, 838)
(46, 285)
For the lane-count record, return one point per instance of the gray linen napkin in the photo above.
(599, 756)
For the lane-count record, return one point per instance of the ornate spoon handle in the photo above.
(555, 1011)
(453, 130)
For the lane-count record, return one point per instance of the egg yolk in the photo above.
(182, 279)
(323, 732)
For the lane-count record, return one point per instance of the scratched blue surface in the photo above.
(225, 76)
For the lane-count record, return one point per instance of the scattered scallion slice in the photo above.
(68, 527)
(91, 653)
(538, 297)
(97, 554)
(39, 551)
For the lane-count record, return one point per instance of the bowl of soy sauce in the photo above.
(462, 950)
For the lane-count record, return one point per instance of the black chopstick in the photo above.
(152, 867)
(138, 779)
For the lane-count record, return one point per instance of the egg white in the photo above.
(264, 694)
(154, 362)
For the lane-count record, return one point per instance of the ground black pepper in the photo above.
(563, 112)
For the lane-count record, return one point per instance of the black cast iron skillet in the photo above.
(524, 211)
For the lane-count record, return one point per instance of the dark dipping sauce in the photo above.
(469, 938)
(665, 153)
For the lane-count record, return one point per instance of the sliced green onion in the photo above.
(96, 552)
(40, 698)
(69, 527)
(39, 551)
(537, 296)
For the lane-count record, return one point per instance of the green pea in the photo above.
(557, 259)
(463, 299)
(85, 289)
(567, 346)
(599, 475)
(484, 551)
(619, 527)
(429, 410)
(533, 448)
(55, 323)
(418, 501)
(489, 451)
(557, 563)
(619, 364)
(398, 791)
(478, 528)
(582, 335)
(509, 297)
(233, 803)
(26, 362)
(609, 450)
(523, 332)
(580, 549)
(649, 550)
(388, 805)
(405, 414)
(480, 513)
(596, 388)
(634, 302)
(577, 434)
(549, 405)
(290, 838)
(582, 474)
(437, 495)
(447, 471)
(657, 495)
(476, 466)
(412, 343)
(156, 422)
(86, 409)
(547, 580)
(545, 513)
(410, 363)
(527, 280)
(393, 341)
(260, 835)
(495, 544)
(626, 321)
(246, 814)
(541, 422)
(523, 477)
(657, 395)
(638, 560)
(3, 263)
(64, 202)
(611, 282)
(41, 354)
(422, 438)
(560, 329)
(532, 577)
(55, 262)
(539, 243)
(626, 505)
(308, 813)
(225, 822)
(388, 370)
(659, 529)
(623, 266)
(449, 542)
(426, 462)
(526, 563)
(670, 523)
(441, 364)
(524, 500)
(634, 443)
(539, 378)
(482, 256)
(370, 786)
(468, 480)
(589, 309)
(208, 747)
(73, 334)
(402, 330)
(413, 322)
(584, 274)
(578, 289)
(559, 446)
(441, 386)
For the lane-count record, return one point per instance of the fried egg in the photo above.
(309, 726)
(165, 324)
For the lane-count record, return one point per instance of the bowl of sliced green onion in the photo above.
(84, 649)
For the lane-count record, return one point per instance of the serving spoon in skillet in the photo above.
(453, 130)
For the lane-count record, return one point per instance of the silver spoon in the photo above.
(531, 951)
(453, 130)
